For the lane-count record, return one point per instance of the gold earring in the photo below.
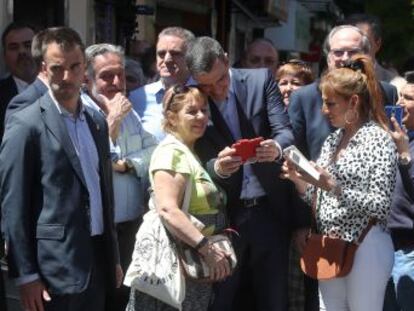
(356, 117)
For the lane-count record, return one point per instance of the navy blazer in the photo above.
(33, 92)
(45, 200)
(261, 113)
(310, 126)
(8, 89)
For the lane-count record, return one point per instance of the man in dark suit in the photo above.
(262, 207)
(16, 40)
(56, 191)
(35, 90)
(310, 127)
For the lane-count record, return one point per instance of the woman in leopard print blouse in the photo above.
(358, 165)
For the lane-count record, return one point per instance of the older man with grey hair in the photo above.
(147, 100)
(131, 147)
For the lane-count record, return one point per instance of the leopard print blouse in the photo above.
(366, 173)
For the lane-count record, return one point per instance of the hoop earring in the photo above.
(356, 116)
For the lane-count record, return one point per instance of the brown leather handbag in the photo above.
(326, 258)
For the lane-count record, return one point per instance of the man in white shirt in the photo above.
(16, 41)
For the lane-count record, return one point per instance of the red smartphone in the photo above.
(246, 148)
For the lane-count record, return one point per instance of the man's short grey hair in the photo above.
(202, 54)
(365, 45)
(95, 50)
(186, 35)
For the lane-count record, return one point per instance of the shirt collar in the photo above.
(230, 91)
(65, 113)
(20, 84)
(159, 86)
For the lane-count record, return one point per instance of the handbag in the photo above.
(155, 267)
(325, 257)
(193, 263)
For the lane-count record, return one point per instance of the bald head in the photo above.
(342, 43)
(261, 54)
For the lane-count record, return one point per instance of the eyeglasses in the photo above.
(340, 52)
(175, 90)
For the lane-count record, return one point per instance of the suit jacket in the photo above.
(8, 89)
(383, 74)
(261, 113)
(45, 200)
(310, 126)
(33, 92)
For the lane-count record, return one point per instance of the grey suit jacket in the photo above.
(8, 90)
(45, 201)
(33, 92)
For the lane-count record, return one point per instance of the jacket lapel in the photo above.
(95, 128)
(240, 93)
(57, 127)
(220, 129)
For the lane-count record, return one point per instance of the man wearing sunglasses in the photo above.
(147, 100)
(261, 207)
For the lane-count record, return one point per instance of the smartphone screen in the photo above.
(396, 112)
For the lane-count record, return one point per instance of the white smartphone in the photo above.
(300, 161)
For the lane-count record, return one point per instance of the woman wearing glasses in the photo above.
(291, 76)
(358, 165)
(173, 165)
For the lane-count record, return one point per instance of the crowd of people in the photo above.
(86, 134)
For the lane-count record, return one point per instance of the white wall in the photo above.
(79, 15)
(294, 35)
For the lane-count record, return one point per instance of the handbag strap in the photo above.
(372, 222)
(187, 195)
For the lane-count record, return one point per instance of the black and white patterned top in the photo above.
(366, 172)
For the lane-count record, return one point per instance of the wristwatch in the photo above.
(404, 159)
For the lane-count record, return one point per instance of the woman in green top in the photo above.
(173, 165)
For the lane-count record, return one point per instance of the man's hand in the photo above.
(116, 109)
(119, 275)
(227, 163)
(267, 151)
(120, 166)
(32, 295)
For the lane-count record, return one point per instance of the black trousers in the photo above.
(260, 280)
(93, 297)
(2, 294)
(118, 300)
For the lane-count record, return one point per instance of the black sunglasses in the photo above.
(176, 90)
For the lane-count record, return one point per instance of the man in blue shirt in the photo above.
(131, 148)
(147, 100)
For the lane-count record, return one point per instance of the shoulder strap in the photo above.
(187, 196)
